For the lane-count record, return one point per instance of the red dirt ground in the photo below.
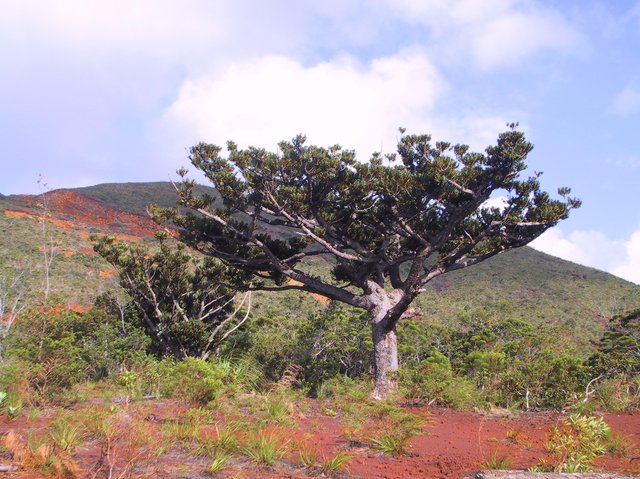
(71, 210)
(453, 444)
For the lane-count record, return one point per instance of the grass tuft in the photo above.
(265, 448)
(336, 463)
(498, 461)
(393, 442)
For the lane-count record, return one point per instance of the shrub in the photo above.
(332, 341)
(394, 442)
(435, 380)
(194, 380)
(56, 348)
(577, 442)
(619, 394)
(264, 448)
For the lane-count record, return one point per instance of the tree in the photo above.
(186, 303)
(619, 348)
(390, 225)
(48, 248)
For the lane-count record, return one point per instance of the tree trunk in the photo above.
(385, 344)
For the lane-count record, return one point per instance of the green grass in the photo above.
(218, 463)
(393, 442)
(498, 461)
(65, 436)
(336, 462)
(264, 448)
(308, 454)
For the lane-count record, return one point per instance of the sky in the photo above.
(117, 91)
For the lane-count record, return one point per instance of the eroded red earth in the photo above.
(70, 210)
(146, 444)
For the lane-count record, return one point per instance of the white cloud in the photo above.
(593, 248)
(359, 105)
(85, 80)
(626, 102)
(499, 202)
(630, 269)
(494, 33)
(262, 102)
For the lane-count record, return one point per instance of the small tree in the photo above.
(389, 228)
(48, 248)
(619, 348)
(186, 303)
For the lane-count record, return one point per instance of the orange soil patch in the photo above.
(18, 214)
(78, 308)
(128, 238)
(106, 273)
(64, 224)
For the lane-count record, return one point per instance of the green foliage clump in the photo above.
(332, 341)
(617, 363)
(10, 406)
(193, 379)
(500, 360)
(576, 443)
(54, 348)
(434, 380)
(185, 302)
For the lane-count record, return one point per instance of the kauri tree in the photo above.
(186, 303)
(390, 225)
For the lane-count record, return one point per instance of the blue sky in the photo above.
(95, 92)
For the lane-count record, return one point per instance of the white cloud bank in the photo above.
(592, 248)
(274, 98)
(359, 105)
(494, 33)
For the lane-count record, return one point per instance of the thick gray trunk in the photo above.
(385, 342)
(385, 345)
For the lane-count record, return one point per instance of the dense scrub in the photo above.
(487, 362)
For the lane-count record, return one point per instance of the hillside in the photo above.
(523, 283)
(134, 197)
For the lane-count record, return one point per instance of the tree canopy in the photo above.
(390, 225)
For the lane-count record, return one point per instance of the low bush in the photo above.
(194, 380)
(576, 443)
(434, 380)
(50, 349)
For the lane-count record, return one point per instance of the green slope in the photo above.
(535, 287)
(135, 197)
(77, 275)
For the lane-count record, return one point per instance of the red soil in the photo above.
(454, 444)
(71, 210)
